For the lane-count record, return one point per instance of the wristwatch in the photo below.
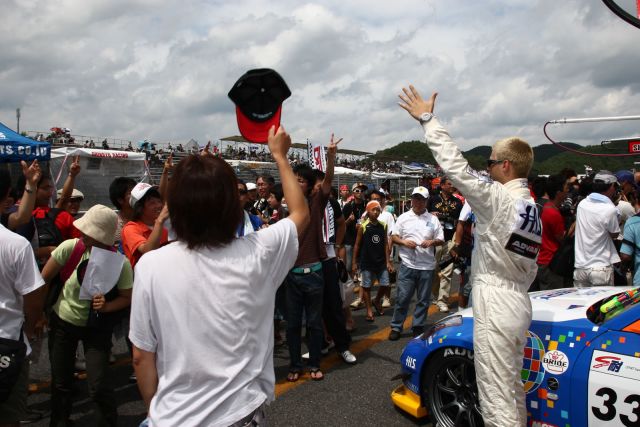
(425, 117)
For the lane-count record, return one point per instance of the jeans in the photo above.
(409, 280)
(63, 341)
(332, 313)
(304, 293)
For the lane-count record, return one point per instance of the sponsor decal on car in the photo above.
(555, 362)
(410, 362)
(611, 363)
(616, 364)
(613, 398)
(536, 423)
(458, 351)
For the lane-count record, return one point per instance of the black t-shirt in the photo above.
(449, 212)
(357, 210)
(372, 247)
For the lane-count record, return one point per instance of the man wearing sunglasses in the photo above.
(508, 236)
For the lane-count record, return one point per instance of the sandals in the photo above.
(293, 376)
(316, 374)
(369, 318)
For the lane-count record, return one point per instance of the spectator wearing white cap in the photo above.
(72, 204)
(146, 232)
(74, 319)
(596, 227)
(418, 233)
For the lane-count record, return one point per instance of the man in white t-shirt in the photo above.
(417, 232)
(596, 226)
(21, 304)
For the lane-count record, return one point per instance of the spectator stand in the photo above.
(248, 159)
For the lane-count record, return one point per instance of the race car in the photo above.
(581, 363)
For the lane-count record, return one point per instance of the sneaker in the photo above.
(394, 335)
(305, 356)
(32, 415)
(386, 302)
(357, 303)
(443, 307)
(348, 357)
(326, 347)
(80, 365)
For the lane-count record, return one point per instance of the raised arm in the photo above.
(32, 175)
(332, 149)
(164, 178)
(279, 144)
(477, 189)
(69, 183)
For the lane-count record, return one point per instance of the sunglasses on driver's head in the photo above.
(491, 162)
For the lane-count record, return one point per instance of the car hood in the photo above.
(564, 304)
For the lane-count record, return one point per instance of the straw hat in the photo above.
(99, 223)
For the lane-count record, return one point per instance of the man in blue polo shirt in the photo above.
(630, 249)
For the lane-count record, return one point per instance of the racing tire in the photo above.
(449, 389)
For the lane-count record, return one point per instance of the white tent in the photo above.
(98, 169)
(339, 170)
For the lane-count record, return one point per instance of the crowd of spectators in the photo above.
(156, 153)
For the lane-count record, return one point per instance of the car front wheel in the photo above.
(449, 388)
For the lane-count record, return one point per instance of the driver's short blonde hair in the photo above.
(518, 152)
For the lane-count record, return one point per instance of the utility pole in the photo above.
(18, 119)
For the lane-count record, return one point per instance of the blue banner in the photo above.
(15, 147)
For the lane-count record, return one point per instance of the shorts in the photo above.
(368, 277)
(14, 408)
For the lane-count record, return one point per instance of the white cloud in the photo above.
(162, 69)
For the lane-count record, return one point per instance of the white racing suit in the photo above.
(503, 265)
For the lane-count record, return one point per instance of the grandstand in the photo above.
(248, 160)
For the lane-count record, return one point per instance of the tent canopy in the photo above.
(15, 147)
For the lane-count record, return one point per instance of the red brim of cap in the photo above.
(257, 131)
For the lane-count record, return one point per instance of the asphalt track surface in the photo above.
(349, 395)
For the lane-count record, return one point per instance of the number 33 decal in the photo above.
(607, 411)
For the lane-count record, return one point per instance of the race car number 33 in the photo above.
(614, 381)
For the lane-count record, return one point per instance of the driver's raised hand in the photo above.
(414, 104)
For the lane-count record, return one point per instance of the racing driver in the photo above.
(508, 236)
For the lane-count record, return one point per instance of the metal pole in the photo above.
(595, 119)
(18, 119)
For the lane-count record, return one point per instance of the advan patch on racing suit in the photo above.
(526, 230)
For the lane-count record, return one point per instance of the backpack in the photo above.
(48, 232)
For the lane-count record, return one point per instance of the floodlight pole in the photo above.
(18, 119)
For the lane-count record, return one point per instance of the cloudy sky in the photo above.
(161, 69)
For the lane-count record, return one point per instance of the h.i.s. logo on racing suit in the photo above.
(526, 230)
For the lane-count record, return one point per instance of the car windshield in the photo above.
(613, 306)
